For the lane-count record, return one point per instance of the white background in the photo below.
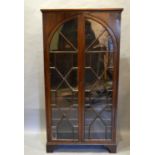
(33, 65)
(142, 77)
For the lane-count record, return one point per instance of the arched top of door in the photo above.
(88, 17)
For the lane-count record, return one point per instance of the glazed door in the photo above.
(98, 84)
(64, 85)
(81, 67)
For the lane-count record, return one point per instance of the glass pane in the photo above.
(98, 82)
(65, 38)
(97, 37)
(64, 90)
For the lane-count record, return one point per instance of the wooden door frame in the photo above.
(81, 60)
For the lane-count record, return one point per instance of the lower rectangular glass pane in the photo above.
(64, 115)
(98, 117)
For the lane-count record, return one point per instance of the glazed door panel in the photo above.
(64, 87)
(98, 68)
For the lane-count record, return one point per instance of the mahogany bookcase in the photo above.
(81, 65)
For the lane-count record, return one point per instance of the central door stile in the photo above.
(81, 48)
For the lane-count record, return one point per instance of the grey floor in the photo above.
(35, 145)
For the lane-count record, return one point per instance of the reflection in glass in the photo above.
(98, 81)
(64, 91)
(97, 37)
